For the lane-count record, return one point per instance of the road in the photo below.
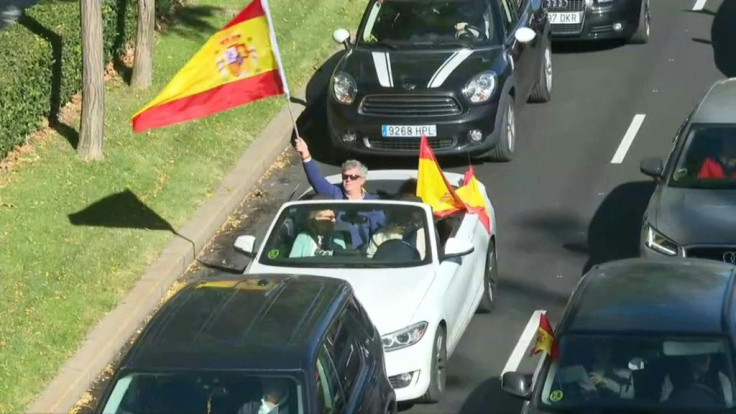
(572, 197)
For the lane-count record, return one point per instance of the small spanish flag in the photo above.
(238, 65)
(546, 339)
(474, 200)
(432, 185)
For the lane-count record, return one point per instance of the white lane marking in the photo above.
(524, 340)
(623, 147)
(699, 5)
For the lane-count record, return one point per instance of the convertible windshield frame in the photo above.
(680, 164)
(493, 33)
(548, 375)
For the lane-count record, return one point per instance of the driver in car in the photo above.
(702, 382)
(399, 227)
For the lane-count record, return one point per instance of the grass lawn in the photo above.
(58, 279)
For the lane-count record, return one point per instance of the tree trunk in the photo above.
(143, 64)
(91, 132)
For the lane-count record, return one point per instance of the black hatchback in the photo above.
(453, 70)
(271, 343)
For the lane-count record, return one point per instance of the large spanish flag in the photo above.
(239, 64)
(432, 185)
(546, 341)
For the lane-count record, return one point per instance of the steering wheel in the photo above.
(397, 250)
(465, 31)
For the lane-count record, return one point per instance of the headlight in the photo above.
(481, 87)
(344, 88)
(659, 243)
(403, 338)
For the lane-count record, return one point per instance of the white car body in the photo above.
(441, 293)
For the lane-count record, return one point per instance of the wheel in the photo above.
(489, 280)
(504, 149)
(641, 35)
(438, 376)
(542, 91)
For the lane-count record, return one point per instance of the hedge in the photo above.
(41, 60)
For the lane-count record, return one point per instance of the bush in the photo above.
(41, 60)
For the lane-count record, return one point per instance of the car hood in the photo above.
(390, 296)
(418, 70)
(695, 216)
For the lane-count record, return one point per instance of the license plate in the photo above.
(566, 18)
(409, 130)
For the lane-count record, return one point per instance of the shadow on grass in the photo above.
(190, 21)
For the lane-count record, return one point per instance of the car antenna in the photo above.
(293, 192)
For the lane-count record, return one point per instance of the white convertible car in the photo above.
(420, 279)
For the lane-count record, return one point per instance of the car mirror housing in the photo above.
(245, 244)
(341, 36)
(517, 384)
(455, 247)
(524, 35)
(652, 166)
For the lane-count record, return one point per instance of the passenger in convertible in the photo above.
(317, 239)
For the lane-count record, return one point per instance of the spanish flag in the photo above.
(432, 185)
(474, 200)
(238, 65)
(546, 339)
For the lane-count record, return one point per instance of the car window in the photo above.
(344, 350)
(355, 234)
(359, 314)
(428, 23)
(329, 394)
(510, 12)
(708, 158)
(639, 372)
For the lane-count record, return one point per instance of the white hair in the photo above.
(350, 164)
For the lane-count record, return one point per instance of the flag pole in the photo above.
(275, 43)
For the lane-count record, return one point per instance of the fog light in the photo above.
(401, 380)
(474, 135)
(618, 27)
(349, 136)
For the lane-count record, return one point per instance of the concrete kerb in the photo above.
(118, 326)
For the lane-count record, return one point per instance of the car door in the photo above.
(522, 55)
(348, 355)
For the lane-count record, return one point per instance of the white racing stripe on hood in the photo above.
(382, 63)
(447, 67)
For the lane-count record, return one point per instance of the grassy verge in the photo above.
(58, 279)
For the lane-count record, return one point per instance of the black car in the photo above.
(600, 19)
(453, 70)
(231, 345)
(692, 212)
(640, 336)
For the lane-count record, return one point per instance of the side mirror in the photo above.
(246, 244)
(455, 247)
(342, 36)
(524, 35)
(517, 384)
(652, 167)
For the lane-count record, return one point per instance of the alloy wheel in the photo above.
(511, 128)
(440, 367)
(548, 67)
(491, 265)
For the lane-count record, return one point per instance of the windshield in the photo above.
(708, 159)
(352, 234)
(640, 372)
(212, 393)
(395, 23)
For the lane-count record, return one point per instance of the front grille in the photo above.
(409, 105)
(722, 253)
(407, 144)
(556, 6)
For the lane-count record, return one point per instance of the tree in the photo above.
(92, 130)
(143, 64)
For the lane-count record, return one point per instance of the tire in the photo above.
(506, 145)
(542, 91)
(489, 280)
(438, 376)
(641, 35)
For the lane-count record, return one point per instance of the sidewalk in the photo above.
(111, 334)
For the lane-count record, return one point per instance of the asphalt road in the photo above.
(562, 205)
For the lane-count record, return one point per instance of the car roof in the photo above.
(252, 322)
(718, 105)
(674, 296)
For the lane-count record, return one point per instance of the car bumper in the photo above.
(414, 359)
(452, 131)
(600, 23)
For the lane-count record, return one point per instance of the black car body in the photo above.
(213, 345)
(599, 19)
(411, 72)
(652, 321)
(692, 213)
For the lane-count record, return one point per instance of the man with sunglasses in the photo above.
(353, 178)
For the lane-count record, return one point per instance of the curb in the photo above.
(120, 324)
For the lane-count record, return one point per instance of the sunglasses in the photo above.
(352, 177)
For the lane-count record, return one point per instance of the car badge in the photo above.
(408, 86)
(557, 4)
(729, 257)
